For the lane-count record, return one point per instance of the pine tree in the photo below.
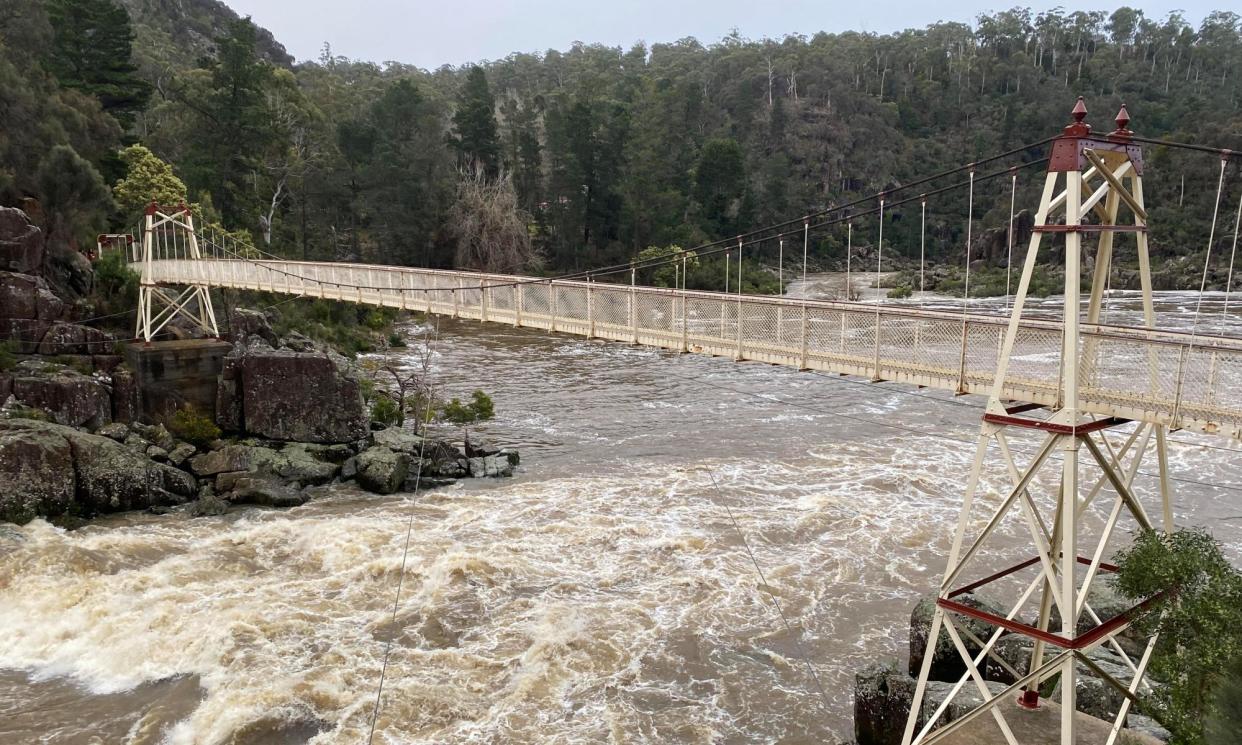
(475, 121)
(233, 129)
(91, 51)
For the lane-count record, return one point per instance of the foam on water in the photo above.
(601, 595)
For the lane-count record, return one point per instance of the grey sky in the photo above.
(430, 34)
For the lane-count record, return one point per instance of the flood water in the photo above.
(603, 594)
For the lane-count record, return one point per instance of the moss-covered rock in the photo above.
(381, 470)
(36, 472)
(47, 470)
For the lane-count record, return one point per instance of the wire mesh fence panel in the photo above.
(760, 324)
(983, 348)
(1036, 356)
(536, 300)
(937, 347)
(1120, 372)
(1155, 376)
(824, 339)
(655, 313)
(858, 336)
(571, 303)
(703, 321)
(611, 306)
(898, 336)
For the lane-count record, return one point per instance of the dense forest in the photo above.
(578, 158)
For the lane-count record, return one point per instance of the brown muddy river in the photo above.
(601, 595)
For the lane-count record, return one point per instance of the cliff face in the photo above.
(176, 33)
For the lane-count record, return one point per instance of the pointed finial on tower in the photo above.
(1078, 128)
(1080, 110)
(1123, 123)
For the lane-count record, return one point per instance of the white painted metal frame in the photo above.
(156, 308)
(1073, 432)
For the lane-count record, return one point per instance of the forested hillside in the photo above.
(587, 156)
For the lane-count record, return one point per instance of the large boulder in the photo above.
(490, 466)
(245, 323)
(26, 333)
(68, 396)
(265, 492)
(883, 696)
(48, 469)
(72, 338)
(232, 458)
(36, 473)
(306, 464)
(300, 397)
(381, 470)
(112, 477)
(125, 398)
(229, 415)
(67, 271)
(399, 440)
(21, 243)
(18, 295)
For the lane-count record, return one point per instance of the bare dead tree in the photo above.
(404, 378)
(489, 226)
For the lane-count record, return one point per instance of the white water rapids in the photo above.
(601, 595)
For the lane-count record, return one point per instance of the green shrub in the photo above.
(116, 286)
(385, 411)
(396, 340)
(900, 292)
(28, 412)
(8, 355)
(1199, 622)
(479, 409)
(195, 428)
(84, 366)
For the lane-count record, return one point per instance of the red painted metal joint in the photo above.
(1080, 641)
(1078, 430)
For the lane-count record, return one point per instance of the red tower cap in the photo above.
(1123, 123)
(1078, 128)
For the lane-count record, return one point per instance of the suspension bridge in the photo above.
(1072, 381)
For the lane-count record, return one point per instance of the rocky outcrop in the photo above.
(245, 323)
(72, 338)
(883, 694)
(67, 396)
(291, 396)
(48, 469)
(39, 322)
(381, 470)
(21, 243)
(113, 478)
(36, 473)
(125, 397)
(490, 466)
(265, 492)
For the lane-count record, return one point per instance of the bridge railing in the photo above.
(1173, 378)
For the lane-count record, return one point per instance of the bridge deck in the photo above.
(1154, 376)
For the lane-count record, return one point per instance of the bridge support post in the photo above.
(162, 234)
(1063, 573)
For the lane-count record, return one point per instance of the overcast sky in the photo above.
(430, 34)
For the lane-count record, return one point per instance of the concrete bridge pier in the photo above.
(174, 374)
